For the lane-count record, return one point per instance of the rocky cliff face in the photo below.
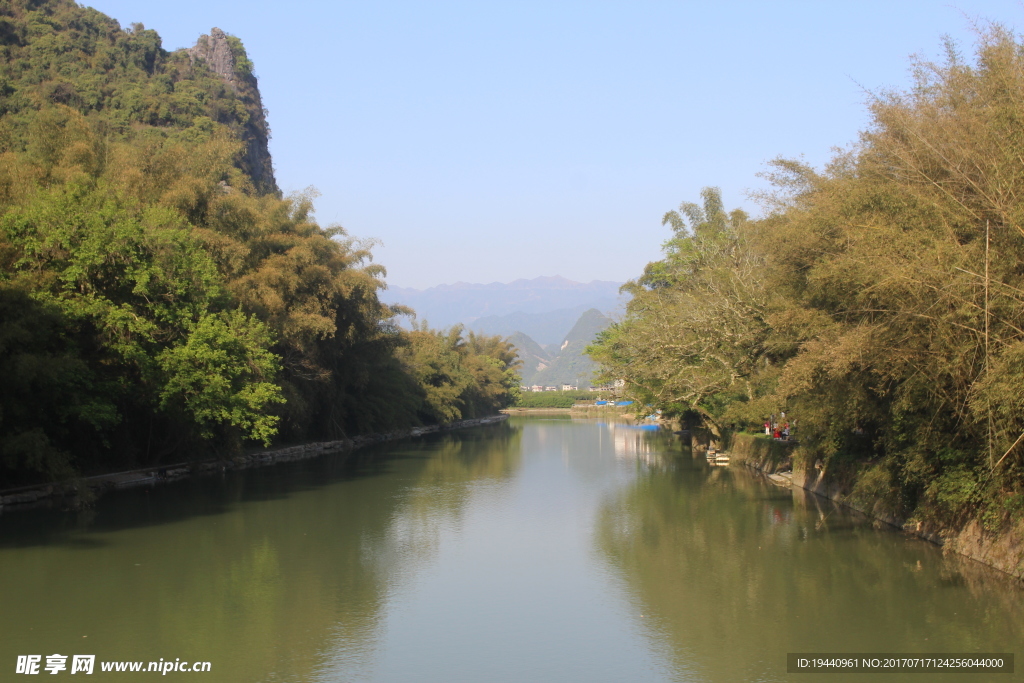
(215, 52)
(224, 55)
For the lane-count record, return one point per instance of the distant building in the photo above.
(536, 387)
(550, 388)
(569, 387)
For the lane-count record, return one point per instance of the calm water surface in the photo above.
(536, 550)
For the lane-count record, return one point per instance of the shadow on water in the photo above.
(298, 572)
(216, 494)
(731, 573)
(273, 574)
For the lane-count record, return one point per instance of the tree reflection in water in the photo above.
(270, 574)
(730, 573)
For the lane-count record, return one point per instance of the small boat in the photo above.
(722, 458)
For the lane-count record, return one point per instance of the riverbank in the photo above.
(784, 462)
(74, 493)
(521, 553)
(587, 410)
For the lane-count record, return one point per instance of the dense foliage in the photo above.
(879, 303)
(157, 303)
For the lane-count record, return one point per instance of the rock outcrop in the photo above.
(224, 55)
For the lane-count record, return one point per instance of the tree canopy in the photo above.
(161, 300)
(879, 302)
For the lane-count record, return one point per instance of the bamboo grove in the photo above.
(159, 300)
(879, 302)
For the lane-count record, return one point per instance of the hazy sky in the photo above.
(484, 141)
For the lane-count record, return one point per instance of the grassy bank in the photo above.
(555, 399)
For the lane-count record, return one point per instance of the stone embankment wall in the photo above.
(765, 454)
(88, 488)
(1003, 550)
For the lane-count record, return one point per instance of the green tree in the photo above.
(220, 374)
(693, 338)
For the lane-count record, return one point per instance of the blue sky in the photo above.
(483, 141)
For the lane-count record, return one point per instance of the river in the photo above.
(534, 550)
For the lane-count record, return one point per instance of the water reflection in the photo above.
(541, 550)
(458, 465)
(634, 442)
(276, 574)
(732, 573)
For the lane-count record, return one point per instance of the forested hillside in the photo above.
(569, 363)
(531, 354)
(879, 303)
(159, 299)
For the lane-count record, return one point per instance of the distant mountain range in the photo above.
(549, 319)
(544, 307)
(547, 329)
